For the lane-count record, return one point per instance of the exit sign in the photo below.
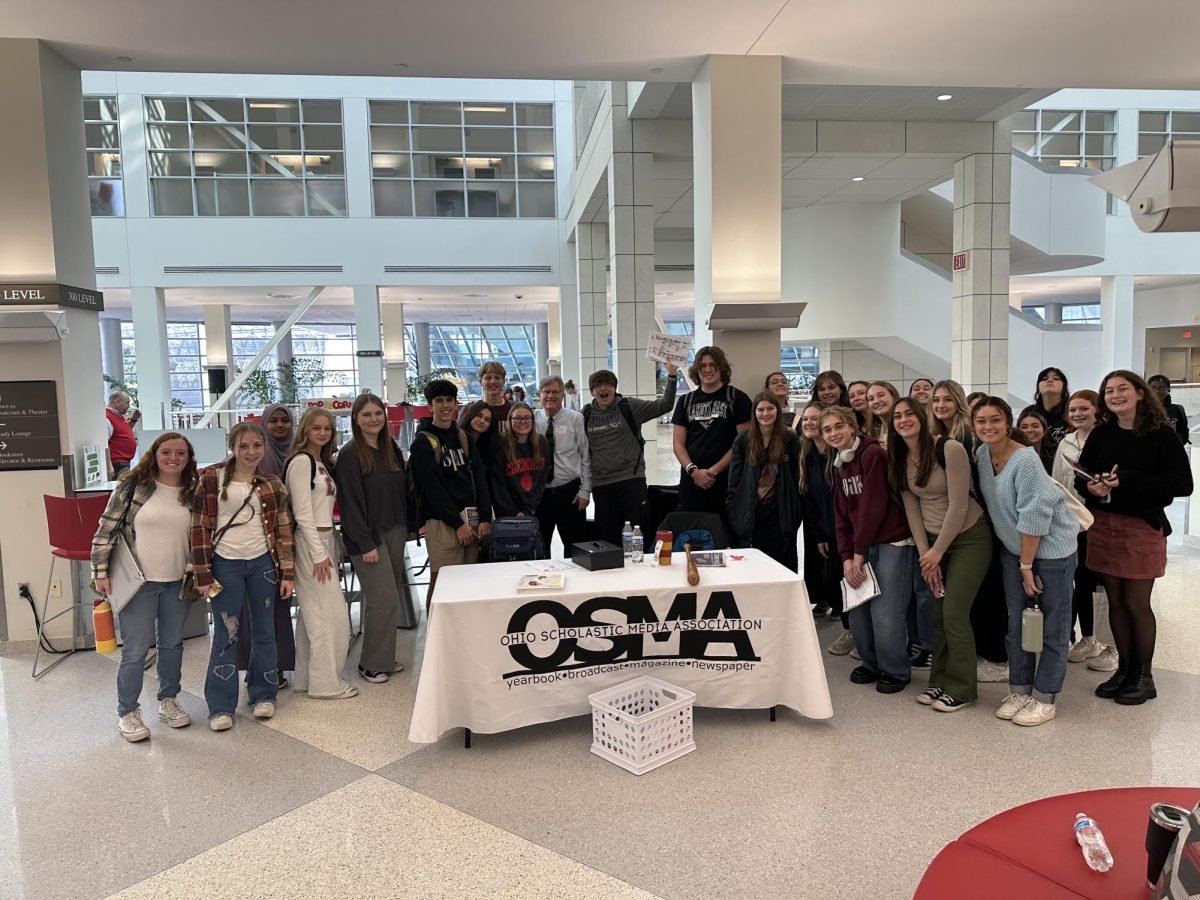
(962, 261)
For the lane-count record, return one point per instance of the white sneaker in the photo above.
(132, 728)
(854, 653)
(223, 722)
(988, 672)
(1012, 705)
(264, 710)
(843, 645)
(172, 713)
(1106, 661)
(1084, 649)
(1034, 713)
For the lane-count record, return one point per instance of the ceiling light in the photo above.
(401, 65)
(260, 104)
(945, 96)
(124, 59)
(657, 70)
(486, 109)
(857, 178)
(285, 296)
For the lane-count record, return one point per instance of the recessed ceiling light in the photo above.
(124, 59)
(657, 70)
(857, 178)
(401, 65)
(285, 296)
(945, 96)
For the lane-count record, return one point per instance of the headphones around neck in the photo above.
(847, 456)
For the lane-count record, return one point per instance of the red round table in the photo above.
(1031, 851)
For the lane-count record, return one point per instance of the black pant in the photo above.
(558, 509)
(771, 539)
(616, 504)
(822, 575)
(1086, 582)
(694, 499)
(989, 612)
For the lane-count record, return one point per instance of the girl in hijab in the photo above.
(277, 422)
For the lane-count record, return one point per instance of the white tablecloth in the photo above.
(495, 660)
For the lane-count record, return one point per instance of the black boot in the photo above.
(1139, 689)
(1109, 689)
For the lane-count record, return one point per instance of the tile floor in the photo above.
(329, 799)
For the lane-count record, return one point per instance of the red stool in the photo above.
(71, 525)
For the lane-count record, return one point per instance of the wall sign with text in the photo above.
(29, 425)
(50, 295)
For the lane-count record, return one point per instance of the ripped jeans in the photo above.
(252, 581)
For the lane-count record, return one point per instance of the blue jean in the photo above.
(920, 613)
(880, 626)
(155, 602)
(1055, 601)
(252, 581)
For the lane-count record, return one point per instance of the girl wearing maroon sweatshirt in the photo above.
(872, 527)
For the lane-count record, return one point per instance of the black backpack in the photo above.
(627, 411)
(513, 539)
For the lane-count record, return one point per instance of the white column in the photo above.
(554, 339)
(424, 362)
(541, 351)
(979, 347)
(150, 352)
(368, 329)
(283, 350)
(356, 132)
(737, 139)
(218, 341)
(1116, 319)
(110, 348)
(591, 255)
(568, 312)
(395, 355)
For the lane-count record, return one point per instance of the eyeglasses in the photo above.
(522, 420)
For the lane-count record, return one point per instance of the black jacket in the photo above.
(446, 489)
(742, 497)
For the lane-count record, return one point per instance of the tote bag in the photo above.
(125, 576)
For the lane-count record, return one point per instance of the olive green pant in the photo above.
(964, 565)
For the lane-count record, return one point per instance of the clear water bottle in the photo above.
(627, 541)
(639, 545)
(1091, 840)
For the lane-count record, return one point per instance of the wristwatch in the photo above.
(691, 467)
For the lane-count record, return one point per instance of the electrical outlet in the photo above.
(23, 589)
(56, 588)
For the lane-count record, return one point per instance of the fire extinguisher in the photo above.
(102, 622)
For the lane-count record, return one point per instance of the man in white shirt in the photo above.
(565, 501)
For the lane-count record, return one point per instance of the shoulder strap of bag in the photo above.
(627, 411)
(220, 532)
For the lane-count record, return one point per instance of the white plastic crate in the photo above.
(642, 724)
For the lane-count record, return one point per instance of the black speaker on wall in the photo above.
(217, 381)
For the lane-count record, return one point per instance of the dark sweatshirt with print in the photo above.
(446, 490)
(865, 510)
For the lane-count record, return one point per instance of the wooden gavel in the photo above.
(693, 574)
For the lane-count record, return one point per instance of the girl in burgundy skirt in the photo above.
(1138, 467)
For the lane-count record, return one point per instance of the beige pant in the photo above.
(441, 543)
(322, 627)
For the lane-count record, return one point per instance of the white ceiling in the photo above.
(1037, 289)
(979, 43)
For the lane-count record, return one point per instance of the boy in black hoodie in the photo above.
(451, 479)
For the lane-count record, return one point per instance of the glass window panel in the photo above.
(541, 168)
(430, 165)
(1026, 120)
(537, 201)
(222, 197)
(498, 201)
(107, 196)
(1098, 145)
(1100, 121)
(266, 110)
(101, 136)
(535, 114)
(1185, 121)
(1059, 120)
(488, 113)
(391, 165)
(327, 197)
(220, 163)
(1149, 144)
(277, 197)
(322, 137)
(177, 165)
(322, 110)
(169, 137)
(166, 109)
(440, 113)
(1060, 144)
(437, 138)
(275, 165)
(107, 165)
(172, 197)
(441, 199)
(389, 111)
(275, 137)
(217, 110)
(489, 140)
(1025, 143)
(217, 137)
(104, 108)
(1152, 121)
(535, 140)
(325, 164)
(91, 108)
(385, 138)
(491, 167)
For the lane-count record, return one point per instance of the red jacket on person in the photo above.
(122, 445)
(865, 510)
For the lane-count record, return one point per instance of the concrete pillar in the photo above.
(1116, 319)
(541, 352)
(424, 363)
(1053, 314)
(591, 256)
(218, 342)
(283, 350)
(979, 343)
(368, 329)
(395, 355)
(554, 358)
(45, 236)
(568, 313)
(150, 355)
(110, 348)
(737, 140)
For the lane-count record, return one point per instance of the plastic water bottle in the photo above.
(1091, 839)
(639, 545)
(627, 541)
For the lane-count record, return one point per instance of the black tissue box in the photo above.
(596, 555)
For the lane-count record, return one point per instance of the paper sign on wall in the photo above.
(663, 347)
(91, 466)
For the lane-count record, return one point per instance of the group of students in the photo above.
(952, 503)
